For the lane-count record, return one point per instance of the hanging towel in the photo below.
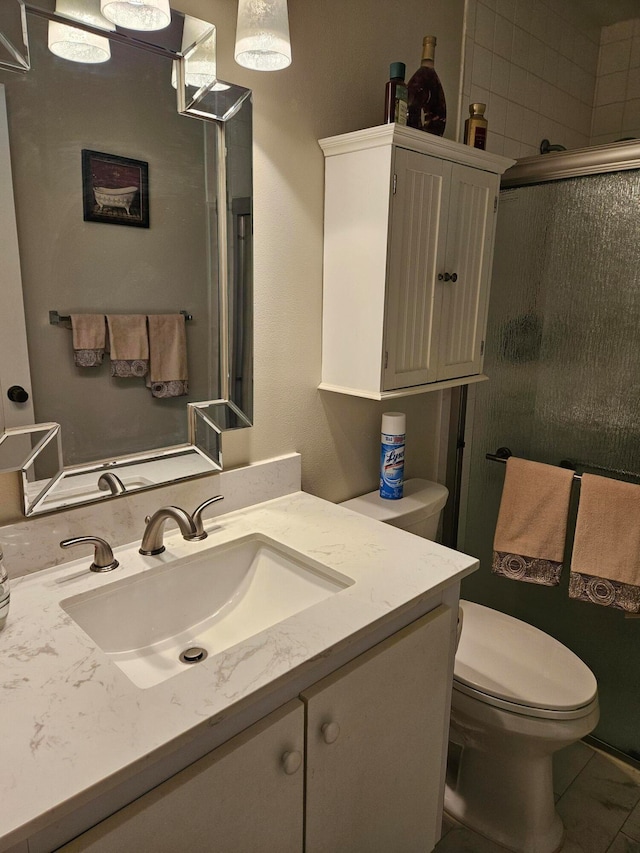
(89, 339)
(605, 564)
(168, 355)
(128, 345)
(532, 522)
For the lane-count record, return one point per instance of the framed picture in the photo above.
(115, 189)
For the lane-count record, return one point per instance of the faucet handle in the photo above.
(103, 559)
(197, 515)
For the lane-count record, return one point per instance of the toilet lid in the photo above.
(513, 661)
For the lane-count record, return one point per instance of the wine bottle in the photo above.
(475, 127)
(395, 95)
(427, 106)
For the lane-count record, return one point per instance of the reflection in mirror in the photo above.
(14, 44)
(79, 485)
(36, 452)
(194, 257)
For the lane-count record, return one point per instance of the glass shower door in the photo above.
(563, 360)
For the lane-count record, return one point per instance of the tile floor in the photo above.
(598, 798)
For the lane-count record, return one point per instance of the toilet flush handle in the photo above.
(330, 732)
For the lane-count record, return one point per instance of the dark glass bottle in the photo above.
(427, 105)
(395, 95)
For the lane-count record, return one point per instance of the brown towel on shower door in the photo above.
(168, 355)
(532, 522)
(89, 339)
(128, 345)
(605, 564)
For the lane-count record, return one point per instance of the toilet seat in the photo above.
(511, 665)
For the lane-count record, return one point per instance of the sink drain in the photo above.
(193, 655)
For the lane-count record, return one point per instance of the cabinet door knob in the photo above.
(448, 277)
(291, 762)
(330, 732)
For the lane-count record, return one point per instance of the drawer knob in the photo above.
(291, 762)
(330, 732)
(448, 277)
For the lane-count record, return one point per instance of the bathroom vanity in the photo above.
(324, 730)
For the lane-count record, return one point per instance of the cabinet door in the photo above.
(245, 796)
(469, 255)
(376, 739)
(416, 253)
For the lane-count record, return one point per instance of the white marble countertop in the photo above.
(73, 725)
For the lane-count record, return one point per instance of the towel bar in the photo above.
(55, 319)
(503, 453)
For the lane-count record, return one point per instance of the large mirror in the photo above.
(69, 132)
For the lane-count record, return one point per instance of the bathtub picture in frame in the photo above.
(115, 189)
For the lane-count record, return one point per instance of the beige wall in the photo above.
(341, 57)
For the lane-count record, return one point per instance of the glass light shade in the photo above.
(262, 35)
(144, 15)
(78, 45)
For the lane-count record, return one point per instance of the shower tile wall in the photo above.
(534, 63)
(616, 112)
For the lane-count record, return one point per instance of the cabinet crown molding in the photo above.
(416, 140)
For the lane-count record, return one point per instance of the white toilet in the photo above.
(518, 696)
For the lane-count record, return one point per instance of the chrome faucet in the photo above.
(152, 539)
(191, 526)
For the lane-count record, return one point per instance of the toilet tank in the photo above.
(418, 511)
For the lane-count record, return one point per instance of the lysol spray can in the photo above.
(392, 455)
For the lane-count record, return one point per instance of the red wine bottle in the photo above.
(427, 106)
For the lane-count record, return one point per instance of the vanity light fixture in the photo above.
(137, 14)
(199, 52)
(262, 35)
(75, 44)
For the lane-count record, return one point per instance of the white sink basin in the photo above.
(212, 600)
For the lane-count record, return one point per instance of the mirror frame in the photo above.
(206, 420)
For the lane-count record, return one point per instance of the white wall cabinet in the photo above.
(374, 766)
(408, 248)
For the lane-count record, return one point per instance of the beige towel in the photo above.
(532, 523)
(605, 565)
(168, 355)
(128, 345)
(89, 339)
